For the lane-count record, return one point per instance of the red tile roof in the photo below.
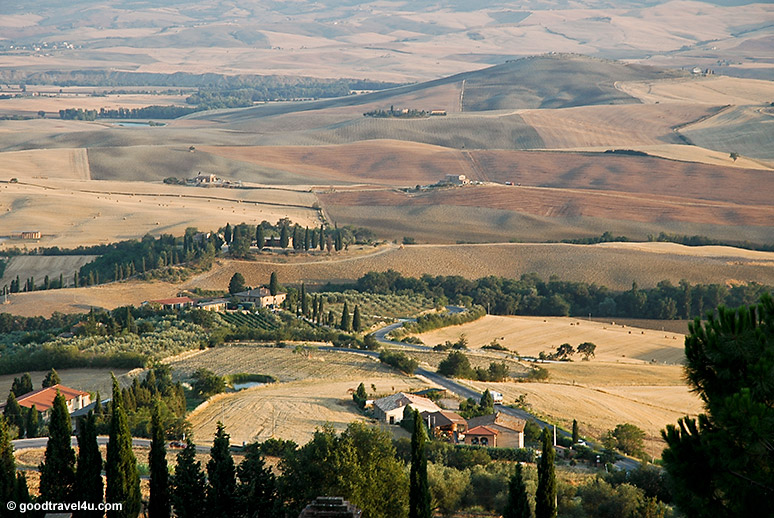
(43, 399)
(176, 300)
(482, 430)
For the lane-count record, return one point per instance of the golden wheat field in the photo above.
(718, 91)
(40, 266)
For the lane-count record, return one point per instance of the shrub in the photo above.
(399, 361)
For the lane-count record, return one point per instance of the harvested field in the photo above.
(42, 163)
(570, 203)
(88, 213)
(290, 410)
(613, 126)
(383, 162)
(88, 380)
(52, 103)
(717, 90)
(39, 266)
(746, 130)
(81, 300)
(282, 363)
(613, 267)
(530, 336)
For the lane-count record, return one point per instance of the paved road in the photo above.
(102, 440)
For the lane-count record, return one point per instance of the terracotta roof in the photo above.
(176, 300)
(498, 418)
(43, 399)
(482, 430)
(444, 418)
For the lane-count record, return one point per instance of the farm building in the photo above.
(216, 305)
(174, 303)
(456, 179)
(390, 409)
(482, 436)
(510, 430)
(27, 234)
(445, 424)
(262, 297)
(43, 399)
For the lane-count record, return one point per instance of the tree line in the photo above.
(531, 295)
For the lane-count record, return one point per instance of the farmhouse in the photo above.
(27, 234)
(262, 297)
(510, 430)
(390, 409)
(456, 179)
(482, 436)
(174, 303)
(216, 305)
(445, 424)
(43, 399)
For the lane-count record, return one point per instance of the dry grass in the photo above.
(290, 410)
(42, 163)
(613, 267)
(38, 266)
(716, 91)
(530, 336)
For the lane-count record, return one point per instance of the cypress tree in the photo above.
(57, 471)
(260, 238)
(97, 405)
(487, 401)
(314, 308)
(320, 311)
(13, 414)
(159, 504)
(518, 502)
(32, 423)
(188, 485)
(221, 476)
(545, 496)
(227, 233)
(419, 490)
(22, 385)
(575, 436)
(256, 493)
(304, 302)
(21, 492)
(88, 474)
(123, 481)
(273, 284)
(61, 285)
(7, 464)
(356, 324)
(346, 323)
(284, 236)
(307, 240)
(51, 379)
(322, 238)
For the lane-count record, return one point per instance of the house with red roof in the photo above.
(43, 399)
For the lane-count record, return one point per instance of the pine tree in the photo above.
(123, 481)
(575, 435)
(346, 323)
(57, 471)
(273, 284)
(419, 490)
(545, 496)
(159, 504)
(189, 485)
(88, 474)
(518, 502)
(32, 422)
(256, 493)
(236, 284)
(221, 476)
(356, 324)
(51, 379)
(14, 415)
(7, 464)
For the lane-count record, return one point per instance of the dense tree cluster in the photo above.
(530, 295)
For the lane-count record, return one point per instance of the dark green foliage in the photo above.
(487, 401)
(359, 465)
(360, 396)
(518, 502)
(32, 422)
(14, 415)
(256, 493)
(278, 447)
(159, 503)
(57, 472)
(123, 481)
(304, 301)
(260, 237)
(21, 492)
(399, 360)
(51, 379)
(575, 435)
(206, 383)
(22, 385)
(532, 431)
(419, 491)
(651, 479)
(221, 476)
(456, 365)
(274, 286)
(357, 325)
(346, 321)
(628, 438)
(721, 463)
(189, 485)
(545, 496)
(432, 321)
(600, 499)
(587, 350)
(236, 284)
(88, 475)
(7, 464)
